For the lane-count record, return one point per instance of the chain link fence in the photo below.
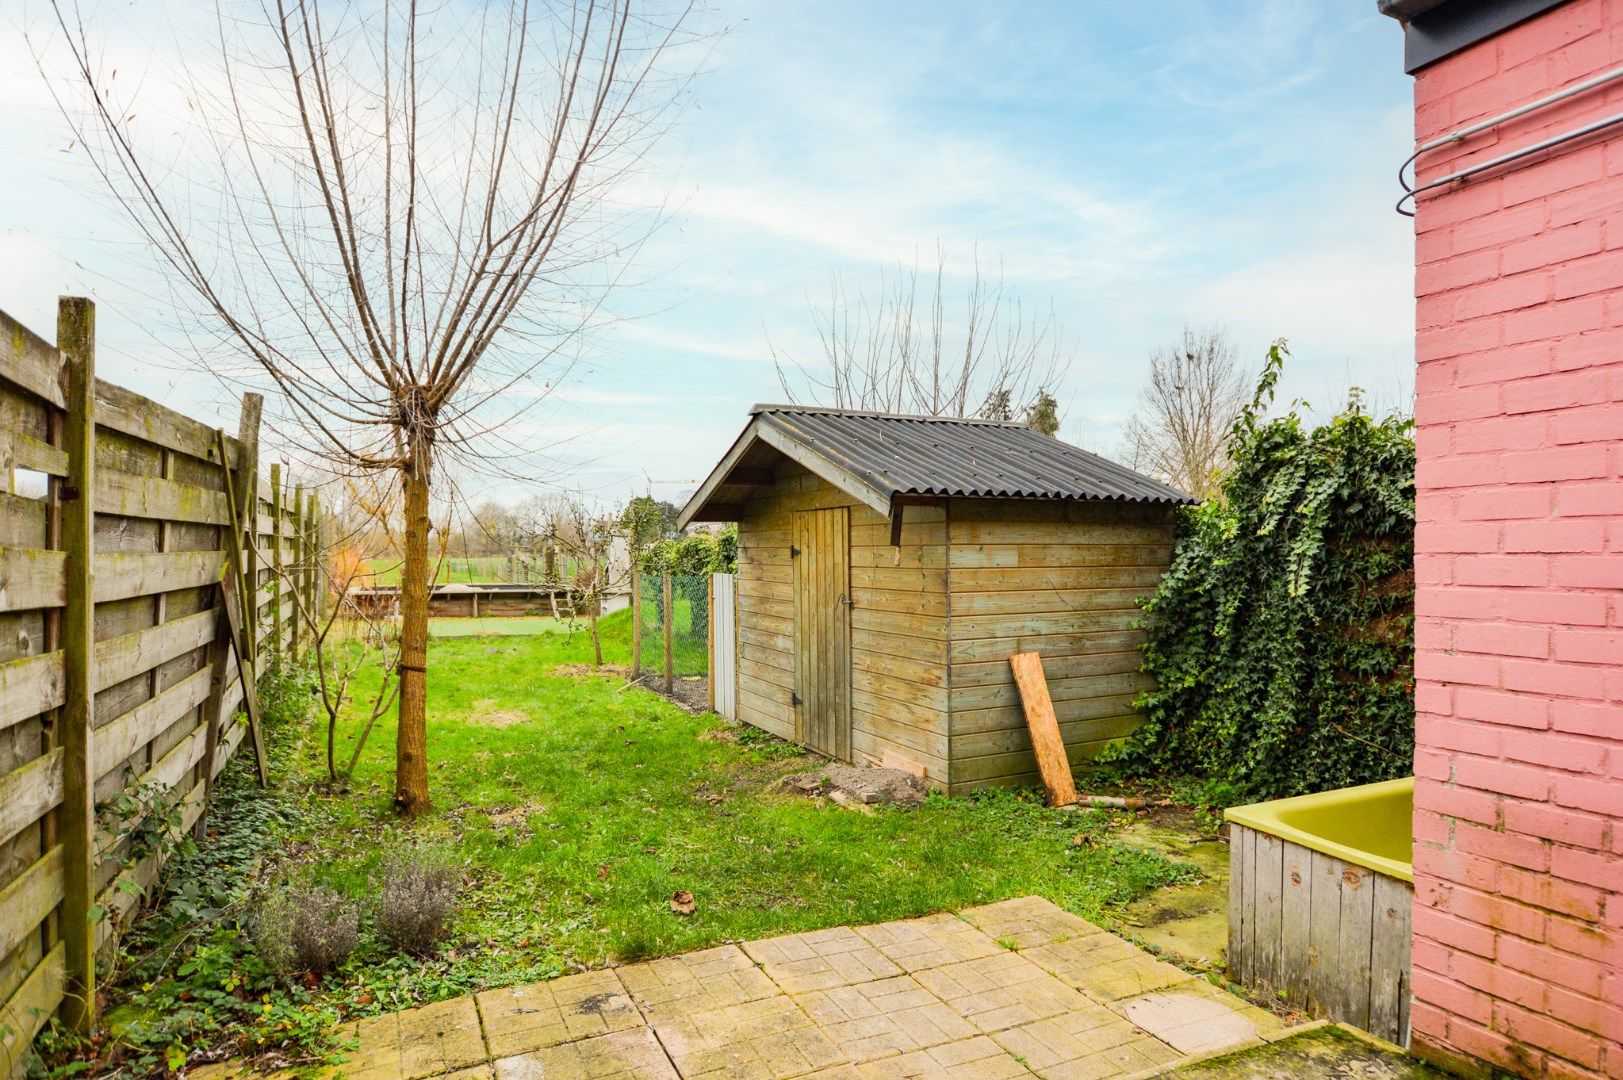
(673, 613)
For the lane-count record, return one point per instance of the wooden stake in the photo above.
(76, 338)
(670, 622)
(1046, 740)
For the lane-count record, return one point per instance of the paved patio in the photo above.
(1011, 989)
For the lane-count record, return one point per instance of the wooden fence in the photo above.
(120, 638)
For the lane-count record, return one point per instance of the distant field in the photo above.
(452, 571)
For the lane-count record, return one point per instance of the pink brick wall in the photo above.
(1518, 952)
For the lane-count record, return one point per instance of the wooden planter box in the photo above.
(1326, 935)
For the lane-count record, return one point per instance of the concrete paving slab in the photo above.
(1012, 989)
(518, 1019)
(933, 941)
(696, 982)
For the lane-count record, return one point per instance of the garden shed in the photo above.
(889, 565)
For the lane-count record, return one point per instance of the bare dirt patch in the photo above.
(515, 816)
(498, 718)
(692, 692)
(852, 784)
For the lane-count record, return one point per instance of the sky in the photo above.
(1135, 167)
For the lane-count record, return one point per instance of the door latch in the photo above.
(794, 552)
(794, 699)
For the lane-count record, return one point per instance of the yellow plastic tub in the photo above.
(1370, 826)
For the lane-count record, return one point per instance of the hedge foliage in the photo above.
(697, 553)
(1282, 638)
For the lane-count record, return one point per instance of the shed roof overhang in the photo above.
(748, 465)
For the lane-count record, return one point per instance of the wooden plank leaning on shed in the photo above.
(1046, 741)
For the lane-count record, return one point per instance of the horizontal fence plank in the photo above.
(143, 573)
(29, 792)
(121, 737)
(30, 897)
(30, 686)
(30, 1007)
(29, 361)
(129, 413)
(167, 774)
(30, 578)
(130, 887)
(130, 495)
(129, 655)
(19, 451)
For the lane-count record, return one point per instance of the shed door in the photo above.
(823, 631)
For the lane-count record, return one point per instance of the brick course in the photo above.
(1518, 958)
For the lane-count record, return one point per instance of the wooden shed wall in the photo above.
(1062, 579)
(898, 622)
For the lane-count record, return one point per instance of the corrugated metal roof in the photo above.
(948, 456)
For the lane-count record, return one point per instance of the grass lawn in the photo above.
(578, 807)
(581, 805)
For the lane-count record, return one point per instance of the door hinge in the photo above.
(794, 699)
(794, 552)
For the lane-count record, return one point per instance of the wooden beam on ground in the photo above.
(1046, 741)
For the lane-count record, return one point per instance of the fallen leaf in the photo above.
(682, 902)
(603, 872)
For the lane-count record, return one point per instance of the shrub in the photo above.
(1282, 637)
(417, 901)
(305, 929)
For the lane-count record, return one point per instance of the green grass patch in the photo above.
(579, 806)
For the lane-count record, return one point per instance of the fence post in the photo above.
(313, 566)
(670, 623)
(710, 644)
(276, 559)
(297, 573)
(248, 521)
(76, 338)
(636, 624)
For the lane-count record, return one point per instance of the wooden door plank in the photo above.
(1046, 741)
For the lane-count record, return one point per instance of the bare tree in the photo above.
(393, 216)
(1196, 389)
(597, 551)
(908, 347)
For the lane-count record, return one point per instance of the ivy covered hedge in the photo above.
(1282, 638)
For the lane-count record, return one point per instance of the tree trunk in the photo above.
(411, 743)
(597, 642)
